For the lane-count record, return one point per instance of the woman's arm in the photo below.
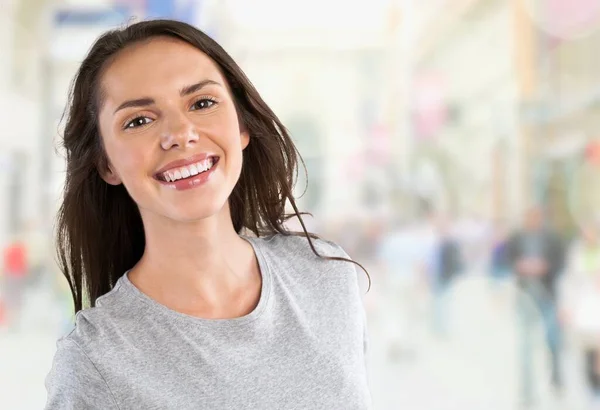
(75, 383)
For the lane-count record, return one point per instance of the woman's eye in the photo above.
(203, 104)
(138, 122)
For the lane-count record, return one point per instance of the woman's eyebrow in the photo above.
(139, 102)
(190, 89)
(146, 101)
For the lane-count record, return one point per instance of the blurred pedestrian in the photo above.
(580, 301)
(444, 265)
(536, 256)
(499, 265)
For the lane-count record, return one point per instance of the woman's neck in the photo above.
(202, 268)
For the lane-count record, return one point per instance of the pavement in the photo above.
(474, 365)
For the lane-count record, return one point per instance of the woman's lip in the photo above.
(192, 181)
(161, 178)
(184, 162)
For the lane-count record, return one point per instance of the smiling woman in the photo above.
(171, 226)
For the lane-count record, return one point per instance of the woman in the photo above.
(171, 156)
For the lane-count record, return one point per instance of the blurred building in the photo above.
(564, 115)
(19, 122)
(513, 87)
(331, 82)
(467, 90)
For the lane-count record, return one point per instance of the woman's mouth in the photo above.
(189, 176)
(188, 171)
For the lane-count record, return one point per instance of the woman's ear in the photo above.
(245, 139)
(107, 173)
(110, 177)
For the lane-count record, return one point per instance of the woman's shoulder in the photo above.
(299, 246)
(292, 256)
(86, 333)
(75, 379)
(100, 324)
(300, 243)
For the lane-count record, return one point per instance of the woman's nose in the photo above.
(179, 132)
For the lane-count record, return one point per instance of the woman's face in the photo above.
(170, 130)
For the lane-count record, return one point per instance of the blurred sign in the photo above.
(86, 16)
(182, 10)
(430, 110)
(187, 11)
(75, 29)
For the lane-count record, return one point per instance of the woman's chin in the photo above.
(191, 214)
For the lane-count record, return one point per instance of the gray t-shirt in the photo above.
(302, 347)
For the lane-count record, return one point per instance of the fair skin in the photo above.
(190, 239)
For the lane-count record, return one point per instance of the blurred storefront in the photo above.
(329, 82)
(467, 89)
(565, 118)
(20, 122)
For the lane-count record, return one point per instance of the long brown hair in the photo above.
(99, 230)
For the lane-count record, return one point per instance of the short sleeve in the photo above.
(75, 383)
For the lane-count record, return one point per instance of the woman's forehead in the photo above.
(157, 66)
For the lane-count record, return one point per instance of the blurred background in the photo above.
(452, 147)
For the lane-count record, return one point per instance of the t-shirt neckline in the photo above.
(258, 310)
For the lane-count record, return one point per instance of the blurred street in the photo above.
(476, 367)
(473, 368)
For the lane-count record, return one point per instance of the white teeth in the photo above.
(190, 170)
